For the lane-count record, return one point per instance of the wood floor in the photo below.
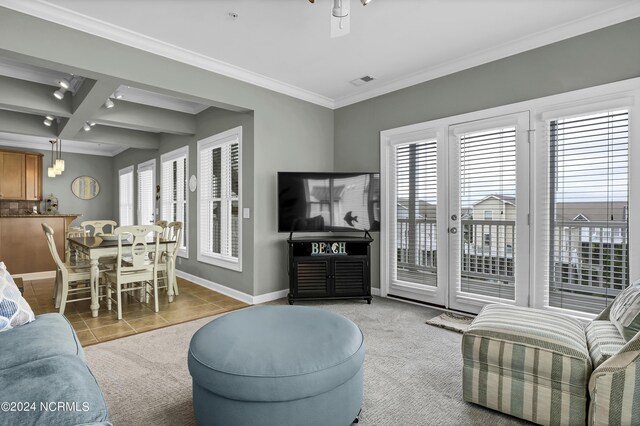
(193, 302)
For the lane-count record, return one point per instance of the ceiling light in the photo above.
(48, 120)
(59, 94)
(337, 10)
(118, 94)
(92, 123)
(64, 83)
(108, 103)
(86, 127)
(365, 2)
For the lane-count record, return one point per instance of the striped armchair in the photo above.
(552, 369)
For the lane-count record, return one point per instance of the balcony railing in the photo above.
(588, 260)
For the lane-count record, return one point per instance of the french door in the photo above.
(457, 232)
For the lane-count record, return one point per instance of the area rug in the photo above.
(412, 373)
(451, 321)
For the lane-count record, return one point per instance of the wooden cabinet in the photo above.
(20, 176)
(33, 177)
(12, 177)
(329, 268)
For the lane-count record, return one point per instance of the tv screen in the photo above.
(321, 202)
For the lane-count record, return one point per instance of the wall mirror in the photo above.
(85, 187)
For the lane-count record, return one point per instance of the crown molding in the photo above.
(50, 12)
(76, 147)
(625, 12)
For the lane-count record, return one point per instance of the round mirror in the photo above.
(85, 187)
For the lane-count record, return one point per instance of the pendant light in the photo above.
(51, 170)
(59, 160)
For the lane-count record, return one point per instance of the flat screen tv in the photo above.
(321, 202)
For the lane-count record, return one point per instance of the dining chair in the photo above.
(138, 271)
(167, 273)
(72, 232)
(163, 224)
(95, 228)
(70, 279)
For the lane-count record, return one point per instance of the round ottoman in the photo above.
(277, 365)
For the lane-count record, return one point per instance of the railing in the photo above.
(589, 260)
(589, 264)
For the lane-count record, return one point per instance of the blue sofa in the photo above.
(44, 379)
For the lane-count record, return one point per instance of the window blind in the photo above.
(587, 234)
(173, 191)
(125, 189)
(219, 198)
(488, 212)
(415, 187)
(146, 192)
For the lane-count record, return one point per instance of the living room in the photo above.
(584, 60)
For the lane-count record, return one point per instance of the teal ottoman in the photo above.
(277, 365)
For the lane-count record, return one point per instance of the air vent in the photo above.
(362, 80)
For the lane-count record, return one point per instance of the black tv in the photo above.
(326, 202)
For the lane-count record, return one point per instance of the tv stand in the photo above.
(325, 268)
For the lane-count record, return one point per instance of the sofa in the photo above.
(44, 379)
(550, 368)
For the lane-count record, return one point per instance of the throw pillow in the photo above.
(625, 311)
(14, 310)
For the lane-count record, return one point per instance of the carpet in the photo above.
(413, 373)
(450, 321)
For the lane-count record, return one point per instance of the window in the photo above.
(219, 200)
(488, 215)
(146, 192)
(173, 192)
(588, 178)
(125, 188)
(487, 240)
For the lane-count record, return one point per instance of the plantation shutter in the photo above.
(588, 188)
(173, 189)
(146, 193)
(125, 189)
(415, 239)
(487, 180)
(219, 195)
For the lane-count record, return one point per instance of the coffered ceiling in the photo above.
(283, 45)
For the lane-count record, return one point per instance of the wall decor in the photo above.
(85, 187)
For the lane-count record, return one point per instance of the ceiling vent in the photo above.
(362, 80)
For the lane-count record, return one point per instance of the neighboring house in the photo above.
(484, 229)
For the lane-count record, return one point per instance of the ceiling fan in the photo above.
(340, 20)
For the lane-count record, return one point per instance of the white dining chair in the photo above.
(70, 279)
(95, 228)
(138, 271)
(73, 232)
(167, 263)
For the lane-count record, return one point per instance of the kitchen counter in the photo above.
(41, 215)
(23, 246)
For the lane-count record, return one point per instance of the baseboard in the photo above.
(268, 297)
(32, 276)
(243, 297)
(238, 295)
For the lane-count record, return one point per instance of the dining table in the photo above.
(96, 248)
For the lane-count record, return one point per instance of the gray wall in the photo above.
(595, 58)
(288, 133)
(96, 166)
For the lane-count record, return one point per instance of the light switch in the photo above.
(246, 213)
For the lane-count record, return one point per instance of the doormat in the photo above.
(451, 321)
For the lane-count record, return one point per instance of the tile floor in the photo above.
(193, 302)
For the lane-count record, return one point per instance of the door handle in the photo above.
(453, 230)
